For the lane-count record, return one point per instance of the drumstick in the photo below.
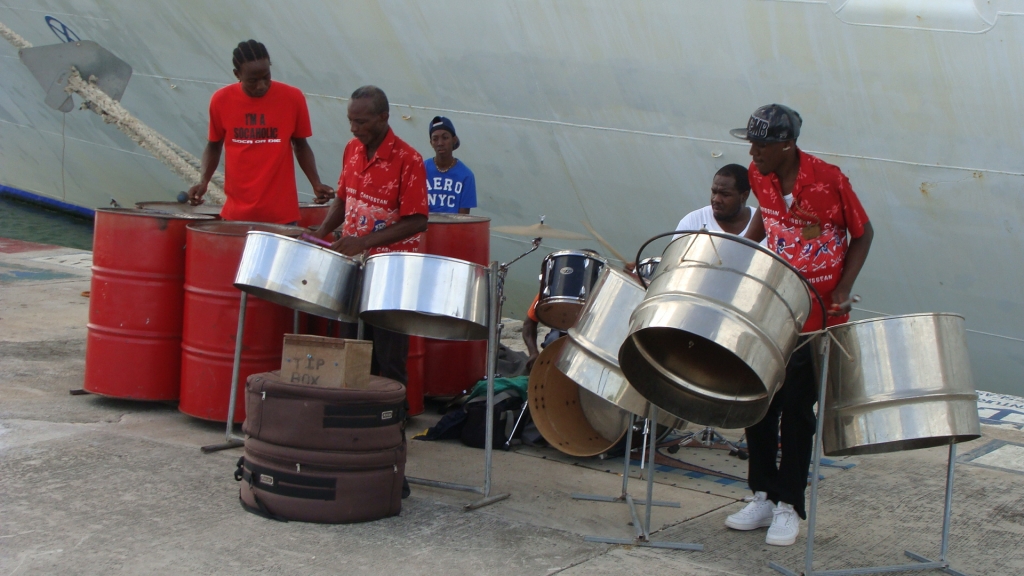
(603, 242)
(315, 240)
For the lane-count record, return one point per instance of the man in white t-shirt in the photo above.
(728, 211)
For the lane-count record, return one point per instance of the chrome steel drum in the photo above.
(566, 279)
(590, 356)
(711, 340)
(570, 418)
(647, 267)
(426, 295)
(299, 275)
(907, 384)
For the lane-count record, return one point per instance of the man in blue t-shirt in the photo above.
(451, 186)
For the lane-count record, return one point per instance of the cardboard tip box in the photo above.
(326, 362)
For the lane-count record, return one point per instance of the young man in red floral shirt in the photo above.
(813, 220)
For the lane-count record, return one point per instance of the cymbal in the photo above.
(541, 231)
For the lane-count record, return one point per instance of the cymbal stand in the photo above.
(643, 531)
(497, 298)
(942, 564)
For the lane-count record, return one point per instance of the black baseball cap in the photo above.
(442, 123)
(771, 123)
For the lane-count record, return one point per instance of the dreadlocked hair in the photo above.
(248, 51)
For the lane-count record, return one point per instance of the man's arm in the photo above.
(530, 339)
(210, 161)
(304, 154)
(856, 255)
(407, 226)
(755, 231)
(463, 210)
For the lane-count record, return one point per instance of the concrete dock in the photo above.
(90, 485)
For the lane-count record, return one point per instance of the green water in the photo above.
(32, 223)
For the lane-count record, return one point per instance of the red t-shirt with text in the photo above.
(259, 173)
(379, 192)
(810, 233)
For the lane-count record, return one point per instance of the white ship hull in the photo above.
(612, 111)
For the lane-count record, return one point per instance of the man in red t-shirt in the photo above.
(381, 205)
(258, 123)
(813, 220)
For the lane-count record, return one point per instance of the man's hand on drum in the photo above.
(350, 246)
(530, 361)
(841, 302)
(323, 193)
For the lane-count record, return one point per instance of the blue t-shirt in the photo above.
(451, 190)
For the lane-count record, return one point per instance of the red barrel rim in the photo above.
(235, 228)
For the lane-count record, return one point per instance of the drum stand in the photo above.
(232, 440)
(643, 531)
(923, 563)
(496, 292)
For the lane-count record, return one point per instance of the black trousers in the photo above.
(794, 403)
(390, 353)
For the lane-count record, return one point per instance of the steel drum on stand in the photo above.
(452, 368)
(136, 297)
(181, 208)
(572, 419)
(711, 340)
(214, 251)
(589, 356)
(424, 295)
(906, 384)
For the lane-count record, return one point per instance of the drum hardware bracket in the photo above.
(707, 438)
(643, 530)
(495, 291)
(923, 563)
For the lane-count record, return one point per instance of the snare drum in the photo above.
(566, 279)
(647, 267)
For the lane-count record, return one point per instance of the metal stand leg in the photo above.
(295, 322)
(230, 439)
(923, 563)
(492, 356)
(643, 531)
(522, 412)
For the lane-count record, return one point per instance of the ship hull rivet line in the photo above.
(923, 563)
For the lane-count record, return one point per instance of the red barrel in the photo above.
(213, 253)
(451, 368)
(312, 214)
(133, 348)
(414, 366)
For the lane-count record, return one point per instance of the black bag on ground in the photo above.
(506, 408)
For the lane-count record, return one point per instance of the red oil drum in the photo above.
(213, 253)
(133, 349)
(451, 368)
(414, 366)
(312, 214)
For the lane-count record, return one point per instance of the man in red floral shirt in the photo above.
(813, 220)
(382, 200)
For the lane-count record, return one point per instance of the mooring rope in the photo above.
(179, 160)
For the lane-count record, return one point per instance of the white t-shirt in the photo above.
(704, 218)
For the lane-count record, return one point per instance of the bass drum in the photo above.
(566, 279)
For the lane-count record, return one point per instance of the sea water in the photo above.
(32, 223)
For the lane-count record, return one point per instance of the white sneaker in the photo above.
(757, 514)
(785, 526)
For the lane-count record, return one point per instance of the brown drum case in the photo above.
(315, 418)
(318, 486)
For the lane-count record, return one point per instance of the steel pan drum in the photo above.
(298, 275)
(180, 208)
(647, 267)
(426, 295)
(711, 340)
(573, 420)
(590, 356)
(907, 384)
